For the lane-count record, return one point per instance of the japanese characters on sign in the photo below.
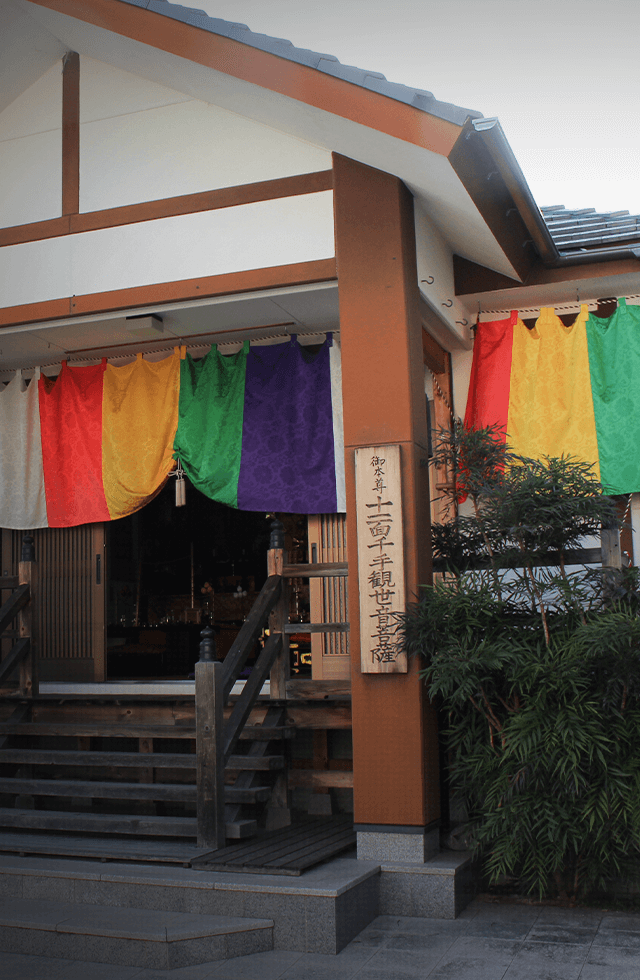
(380, 558)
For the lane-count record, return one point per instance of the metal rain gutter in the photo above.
(496, 143)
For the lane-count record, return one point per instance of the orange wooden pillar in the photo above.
(396, 781)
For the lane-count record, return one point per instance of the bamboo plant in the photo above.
(536, 666)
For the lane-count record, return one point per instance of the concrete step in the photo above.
(127, 936)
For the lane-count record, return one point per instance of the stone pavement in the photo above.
(487, 942)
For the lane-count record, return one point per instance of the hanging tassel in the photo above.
(181, 491)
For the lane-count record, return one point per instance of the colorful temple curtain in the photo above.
(259, 430)
(22, 499)
(557, 390)
(256, 430)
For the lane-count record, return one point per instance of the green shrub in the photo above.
(536, 668)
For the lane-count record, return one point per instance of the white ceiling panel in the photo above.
(302, 310)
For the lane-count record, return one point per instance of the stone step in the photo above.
(319, 912)
(127, 936)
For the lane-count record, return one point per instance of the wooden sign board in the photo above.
(380, 559)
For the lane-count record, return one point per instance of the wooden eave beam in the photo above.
(471, 278)
(275, 277)
(288, 78)
(169, 207)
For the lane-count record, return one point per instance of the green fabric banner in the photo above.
(209, 437)
(614, 366)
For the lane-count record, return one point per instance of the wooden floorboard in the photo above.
(288, 851)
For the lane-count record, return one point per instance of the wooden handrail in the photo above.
(316, 628)
(252, 688)
(17, 654)
(9, 581)
(215, 741)
(338, 569)
(250, 632)
(16, 601)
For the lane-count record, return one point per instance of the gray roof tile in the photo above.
(326, 63)
(583, 228)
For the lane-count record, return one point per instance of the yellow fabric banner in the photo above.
(550, 405)
(139, 422)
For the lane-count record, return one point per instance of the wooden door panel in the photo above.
(328, 598)
(70, 604)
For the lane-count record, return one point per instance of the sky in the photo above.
(563, 77)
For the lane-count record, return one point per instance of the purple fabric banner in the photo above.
(287, 438)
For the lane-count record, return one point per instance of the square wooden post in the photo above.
(210, 754)
(276, 559)
(395, 743)
(27, 620)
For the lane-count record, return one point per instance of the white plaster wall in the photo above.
(435, 261)
(30, 153)
(35, 271)
(106, 92)
(252, 236)
(140, 141)
(461, 361)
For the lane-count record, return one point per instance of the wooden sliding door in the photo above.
(70, 599)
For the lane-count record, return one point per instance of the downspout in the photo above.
(496, 143)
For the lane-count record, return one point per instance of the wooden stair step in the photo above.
(68, 757)
(94, 789)
(242, 794)
(108, 847)
(262, 733)
(239, 829)
(65, 729)
(113, 823)
(135, 760)
(98, 823)
(265, 763)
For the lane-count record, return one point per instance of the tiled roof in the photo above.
(587, 228)
(326, 63)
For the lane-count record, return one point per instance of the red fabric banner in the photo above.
(71, 427)
(488, 402)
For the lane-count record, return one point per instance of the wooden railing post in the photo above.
(276, 559)
(611, 559)
(610, 543)
(27, 623)
(209, 746)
